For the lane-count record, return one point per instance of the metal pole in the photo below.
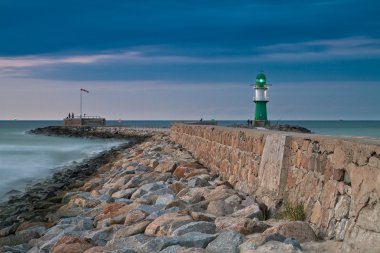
(81, 104)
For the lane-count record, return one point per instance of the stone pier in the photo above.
(337, 179)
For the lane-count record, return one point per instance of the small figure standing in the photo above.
(201, 119)
(72, 115)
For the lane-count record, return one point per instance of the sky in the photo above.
(170, 59)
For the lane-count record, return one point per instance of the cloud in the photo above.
(344, 48)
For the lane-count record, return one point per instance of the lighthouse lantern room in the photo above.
(261, 99)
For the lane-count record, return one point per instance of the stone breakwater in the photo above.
(337, 179)
(95, 132)
(152, 197)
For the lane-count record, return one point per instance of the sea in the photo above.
(26, 158)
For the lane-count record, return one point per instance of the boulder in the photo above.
(242, 225)
(227, 242)
(252, 211)
(134, 229)
(222, 208)
(134, 216)
(166, 166)
(167, 223)
(195, 239)
(125, 193)
(272, 246)
(133, 242)
(199, 216)
(299, 230)
(71, 244)
(198, 226)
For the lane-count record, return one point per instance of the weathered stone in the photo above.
(199, 226)
(361, 240)
(227, 242)
(296, 229)
(157, 244)
(125, 193)
(275, 247)
(100, 237)
(197, 182)
(165, 199)
(252, 211)
(199, 216)
(242, 225)
(167, 223)
(134, 216)
(133, 242)
(342, 207)
(70, 244)
(195, 239)
(222, 208)
(166, 166)
(316, 213)
(176, 187)
(156, 214)
(147, 188)
(193, 195)
(133, 229)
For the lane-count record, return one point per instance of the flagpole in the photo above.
(81, 104)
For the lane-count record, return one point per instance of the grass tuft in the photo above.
(292, 211)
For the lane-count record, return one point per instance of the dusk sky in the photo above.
(173, 59)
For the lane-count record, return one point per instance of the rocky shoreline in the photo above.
(149, 196)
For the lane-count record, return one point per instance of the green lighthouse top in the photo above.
(261, 80)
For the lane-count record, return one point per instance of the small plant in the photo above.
(292, 211)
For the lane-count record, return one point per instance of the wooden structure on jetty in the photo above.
(85, 121)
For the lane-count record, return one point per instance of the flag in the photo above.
(84, 90)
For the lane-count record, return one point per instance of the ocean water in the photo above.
(25, 158)
(323, 127)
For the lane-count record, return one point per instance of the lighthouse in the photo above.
(261, 99)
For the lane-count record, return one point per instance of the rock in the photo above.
(342, 207)
(252, 211)
(195, 239)
(172, 249)
(199, 216)
(81, 223)
(358, 239)
(249, 200)
(193, 195)
(101, 236)
(176, 187)
(299, 230)
(70, 244)
(157, 244)
(243, 225)
(147, 188)
(133, 242)
(197, 182)
(125, 193)
(165, 199)
(136, 228)
(221, 208)
(293, 242)
(166, 166)
(275, 237)
(134, 216)
(159, 213)
(9, 230)
(275, 247)
(167, 223)
(199, 226)
(219, 192)
(12, 240)
(227, 242)
(69, 210)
